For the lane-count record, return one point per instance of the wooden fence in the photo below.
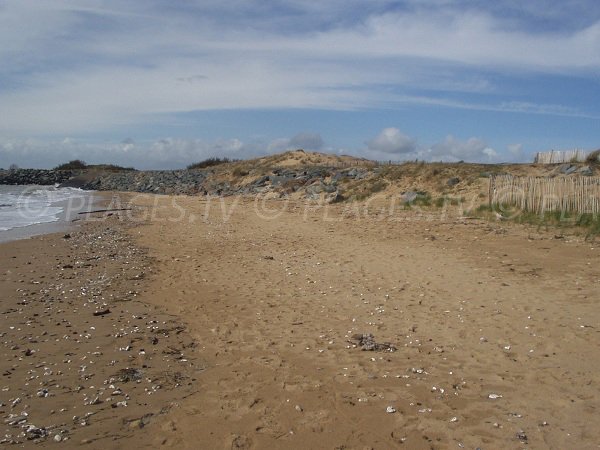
(536, 194)
(556, 156)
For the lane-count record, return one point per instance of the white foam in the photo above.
(23, 206)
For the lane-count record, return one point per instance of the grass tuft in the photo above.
(560, 220)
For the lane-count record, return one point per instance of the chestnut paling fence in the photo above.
(540, 194)
(557, 156)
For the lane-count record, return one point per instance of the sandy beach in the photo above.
(241, 323)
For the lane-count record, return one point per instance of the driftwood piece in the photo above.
(104, 210)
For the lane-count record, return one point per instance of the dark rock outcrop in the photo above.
(35, 176)
(158, 182)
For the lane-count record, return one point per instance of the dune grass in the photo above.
(586, 223)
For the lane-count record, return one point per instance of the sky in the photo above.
(163, 83)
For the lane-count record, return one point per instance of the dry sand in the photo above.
(496, 328)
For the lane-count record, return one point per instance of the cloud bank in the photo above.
(390, 144)
(168, 153)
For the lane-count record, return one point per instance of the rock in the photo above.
(357, 173)
(390, 410)
(367, 342)
(43, 393)
(329, 188)
(586, 171)
(409, 196)
(337, 198)
(261, 181)
(278, 180)
(129, 374)
(15, 420)
(567, 169)
(453, 181)
(32, 432)
(35, 176)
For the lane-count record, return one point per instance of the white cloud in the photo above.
(392, 142)
(517, 153)
(453, 149)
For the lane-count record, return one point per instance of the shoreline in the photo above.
(68, 218)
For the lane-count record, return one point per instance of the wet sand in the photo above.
(495, 328)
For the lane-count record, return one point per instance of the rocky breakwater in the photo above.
(157, 182)
(35, 176)
(309, 182)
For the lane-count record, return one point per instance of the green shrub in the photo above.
(378, 186)
(110, 167)
(423, 199)
(593, 157)
(209, 162)
(75, 164)
(439, 202)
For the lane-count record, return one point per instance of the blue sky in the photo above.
(162, 83)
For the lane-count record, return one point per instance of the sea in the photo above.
(31, 210)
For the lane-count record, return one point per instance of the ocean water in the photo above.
(26, 206)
